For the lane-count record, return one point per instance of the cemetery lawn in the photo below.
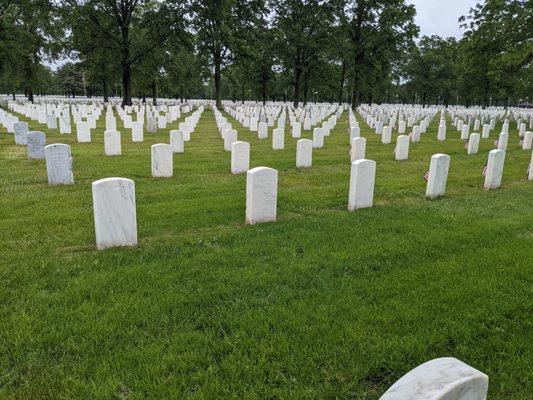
(321, 304)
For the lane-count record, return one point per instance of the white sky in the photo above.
(440, 17)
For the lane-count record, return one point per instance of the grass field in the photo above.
(322, 304)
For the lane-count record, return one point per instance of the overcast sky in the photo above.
(440, 17)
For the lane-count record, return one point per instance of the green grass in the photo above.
(321, 304)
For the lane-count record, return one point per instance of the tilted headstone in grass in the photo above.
(440, 379)
(112, 143)
(278, 139)
(386, 135)
(361, 190)
(83, 132)
(230, 136)
(494, 169)
(527, 141)
(137, 133)
(262, 131)
(438, 175)
(502, 141)
(176, 141)
(318, 138)
(151, 124)
(162, 163)
(357, 149)
(297, 130)
(21, 133)
(36, 143)
(473, 144)
(441, 134)
(304, 153)
(64, 124)
(115, 217)
(59, 164)
(261, 195)
(240, 157)
(401, 152)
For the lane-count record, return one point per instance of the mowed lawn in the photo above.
(322, 304)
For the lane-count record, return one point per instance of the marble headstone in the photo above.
(115, 217)
(361, 190)
(59, 164)
(240, 157)
(304, 153)
(261, 195)
(36, 143)
(438, 175)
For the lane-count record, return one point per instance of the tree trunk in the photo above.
(126, 66)
(104, 87)
(218, 60)
(306, 86)
(297, 77)
(154, 92)
(243, 93)
(343, 77)
(30, 95)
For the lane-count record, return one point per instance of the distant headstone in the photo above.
(176, 141)
(115, 217)
(278, 139)
(112, 143)
(229, 138)
(137, 134)
(441, 134)
(162, 166)
(83, 132)
(318, 138)
(358, 149)
(240, 157)
(36, 143)
(59, 164)
(401, 152)
(297, 130)
(151, 124)
(262, 130)
(21, 133)
(304, 153)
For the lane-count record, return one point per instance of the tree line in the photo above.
(292, 50)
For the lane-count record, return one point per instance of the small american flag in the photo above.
(426, 176)
(484, 173)
(496, 142)
(466, 144)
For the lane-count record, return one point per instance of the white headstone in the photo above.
(21, 133)
(137, 134)
(176, 141)
(494, 170)
(296, 130)
(262, 131)
(36, 143)
(401, 152)
(261, 195)
(59, 164)
(440, 379)
(110, 123)
(83, 132)
(473, 144)
(240, 157)
(64, 124)
(441, 135)
(112, 143)
(115, 217)
(162, 166)
(486, 131)
(386, 135)
(438, 175)
(502, 141)
(318, 138)
(358, 149)
(304, 153)
(278, 139)
(527, 141)
(362, 178)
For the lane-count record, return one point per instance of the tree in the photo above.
(132, 28)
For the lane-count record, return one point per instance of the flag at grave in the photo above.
(484, 172)
(426, 176)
